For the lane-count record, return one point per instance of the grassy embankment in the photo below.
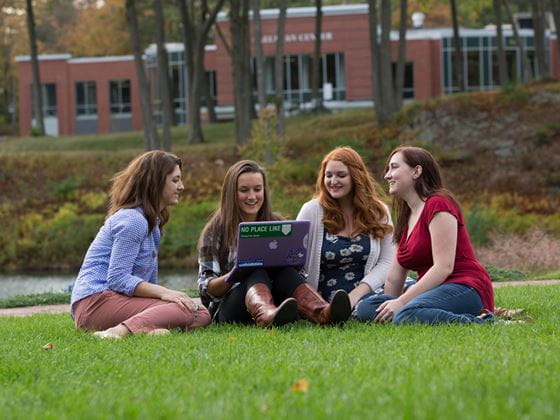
(300, 371)
(54, 190)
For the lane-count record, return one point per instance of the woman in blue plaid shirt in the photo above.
(116, 292)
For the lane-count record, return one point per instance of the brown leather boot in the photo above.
(260, 305)
(314, 308)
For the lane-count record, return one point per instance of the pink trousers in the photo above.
(108, 309)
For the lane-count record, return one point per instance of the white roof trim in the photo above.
(44, 57)
(294, 12)
(107, 59)
(174, 47)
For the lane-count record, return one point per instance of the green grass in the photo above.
(358, 371)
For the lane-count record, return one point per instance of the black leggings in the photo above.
(282, 282)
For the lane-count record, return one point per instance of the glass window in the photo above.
(48, 91)
(119, 94)
(408, 86)
(86, 98)
(473, 69)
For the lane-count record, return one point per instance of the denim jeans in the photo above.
(444, 304)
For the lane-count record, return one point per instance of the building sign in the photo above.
(301, 37)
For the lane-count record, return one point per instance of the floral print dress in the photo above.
(343, 261)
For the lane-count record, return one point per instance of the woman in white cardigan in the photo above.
(350, 238)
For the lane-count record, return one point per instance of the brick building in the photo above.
(100, 94)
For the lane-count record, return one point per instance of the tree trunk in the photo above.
(387, 86)
(259, 57)
(187, 33)
(401, 60)
(194, 39)
(458, 69)
(279, 63)
(526, 66)
(150, 133)
(537, 8)
(317, 98)
(163, 76)
(239, 27)
(502, 64)
(375, 59)
(555, 6)
(36, 87)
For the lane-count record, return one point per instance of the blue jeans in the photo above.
(444, 304)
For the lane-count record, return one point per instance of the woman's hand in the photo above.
(387, 310)
(179, 298)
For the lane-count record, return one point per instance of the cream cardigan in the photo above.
(380, 255)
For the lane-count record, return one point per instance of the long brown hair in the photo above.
(141, 185)
(224, 222)
(430, 182)
(370, 215)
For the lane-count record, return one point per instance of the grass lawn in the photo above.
(358, 371)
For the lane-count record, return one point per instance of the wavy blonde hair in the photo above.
(141, 184)
(370, 214)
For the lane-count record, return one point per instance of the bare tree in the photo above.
(458, 68)
(401, 57)
(163, 76)
(375, 57)
(537, 8)
(279, 67)
(555, 7)
(259, 57)
(316, 97)
(197, 21)
(240, 56)
(502, 65)
(150, 133)
(210, 101)
(36, 87)
(525, 64)
(387, 85)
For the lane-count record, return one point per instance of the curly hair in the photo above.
(370, 214)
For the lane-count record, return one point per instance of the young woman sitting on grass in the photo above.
(350, 241)
(116, 292)
(432, 239)
(265, 296)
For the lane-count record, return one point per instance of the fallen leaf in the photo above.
(300, 386)
(271, 332)
(264, 408)
(48, 346)
(232, 338)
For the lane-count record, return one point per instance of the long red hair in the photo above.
(370, 215)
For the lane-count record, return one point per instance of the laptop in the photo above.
(270, 245)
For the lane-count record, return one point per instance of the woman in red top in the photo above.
(452, 287)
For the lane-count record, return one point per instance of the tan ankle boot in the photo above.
(260, 305)
(314, 308)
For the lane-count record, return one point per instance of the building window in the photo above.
(297, 77)
(48, 91)
(119, 94)
(408, 85)
(86, 98)
(480, 61)
(211, 86)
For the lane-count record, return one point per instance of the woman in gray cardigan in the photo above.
(350, 238)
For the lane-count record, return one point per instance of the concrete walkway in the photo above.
(56, 309)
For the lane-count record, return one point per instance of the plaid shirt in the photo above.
(209, 268)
